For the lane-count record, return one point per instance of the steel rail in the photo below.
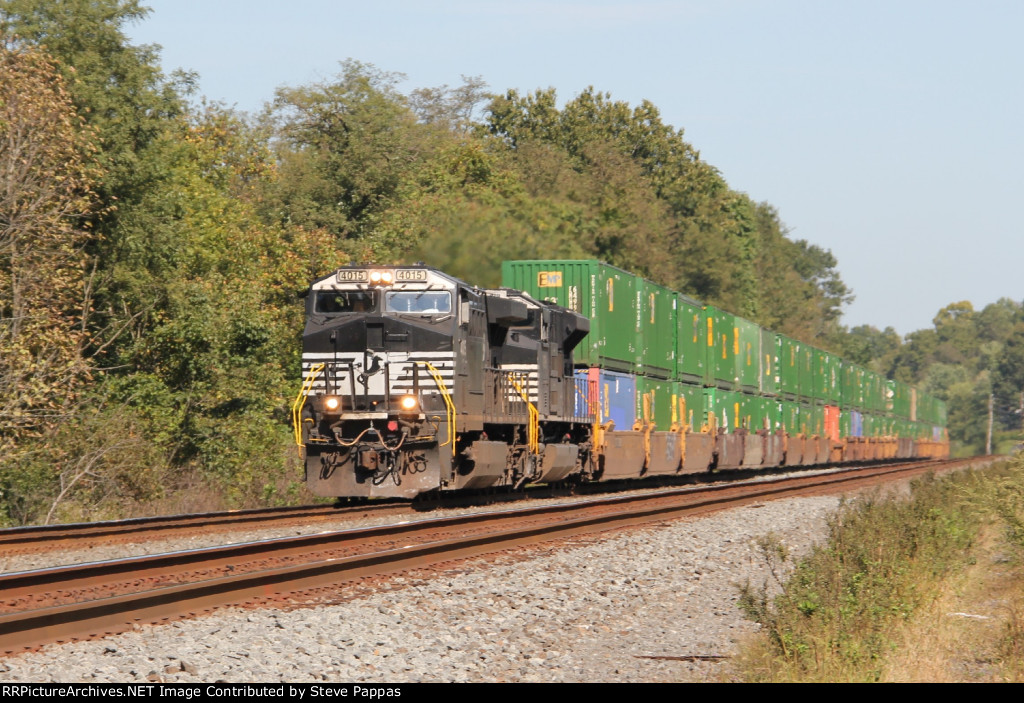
(17, 540)
(493, 531)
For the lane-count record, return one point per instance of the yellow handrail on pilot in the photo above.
(449, 405)
(533, 432)
(300, 401)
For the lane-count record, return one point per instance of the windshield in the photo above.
(418, 301)
(337, 301)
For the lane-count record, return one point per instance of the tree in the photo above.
(996, 320)
(452, 109)
(870, 347)
(345, 148)
(119, 90)
(46, 198)
(956, 333)
(116, 87)
(1008, 380)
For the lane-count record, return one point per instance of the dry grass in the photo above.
(930, 589)
(974, 629)
(955, 638)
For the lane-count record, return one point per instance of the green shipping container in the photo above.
(818, 386)
(657, 322)
(722, 347)
(813, 419)
(769, 363)
(694, 410)
(874, 392)
(605, 294)
(747, 348)
(726, 406)
(760, 412)
(853, 387)
(805, 362)
(834, 382)
(790, 416)
(662, 401)
(899, 397)
(788, 366)
(691, 349)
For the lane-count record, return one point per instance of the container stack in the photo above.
(659, 361)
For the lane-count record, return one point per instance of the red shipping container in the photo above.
(832, 422)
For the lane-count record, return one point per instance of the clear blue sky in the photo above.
(891, 133)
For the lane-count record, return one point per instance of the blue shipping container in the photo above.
(586, 395)
(856, 424)
(616, 397)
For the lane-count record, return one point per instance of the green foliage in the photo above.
(97, 466)
(1003, 497)
(1008, 379)
(170, 239)
(345, 148)
(867, 346)
(834, 619)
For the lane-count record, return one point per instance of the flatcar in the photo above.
(416, 382)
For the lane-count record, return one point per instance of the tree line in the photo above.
(152, 246)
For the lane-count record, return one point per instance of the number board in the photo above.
(353, 276)
(411, 275)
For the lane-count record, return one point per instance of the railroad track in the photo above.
(34, 539)
(85, 600)
(41, 538)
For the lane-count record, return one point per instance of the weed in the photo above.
(833, 619)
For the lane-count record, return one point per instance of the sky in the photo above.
(890, 133)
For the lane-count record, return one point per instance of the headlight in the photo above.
(382, 278)
(332, 402)
(408, 403)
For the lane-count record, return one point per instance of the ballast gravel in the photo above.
(645, 605)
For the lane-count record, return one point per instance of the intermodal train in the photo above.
(415, 382)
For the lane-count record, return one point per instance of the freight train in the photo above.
(416, 382)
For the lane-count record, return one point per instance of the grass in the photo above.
(927, 588)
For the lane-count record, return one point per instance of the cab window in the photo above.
(428, 302)
(333, 302)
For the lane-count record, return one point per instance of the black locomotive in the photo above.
(414, 381)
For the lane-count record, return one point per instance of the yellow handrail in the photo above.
(683, 429)
(449, 405)
(533, 432)
(647, 427)
(300, 401)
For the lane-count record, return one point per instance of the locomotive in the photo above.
(416, 382)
